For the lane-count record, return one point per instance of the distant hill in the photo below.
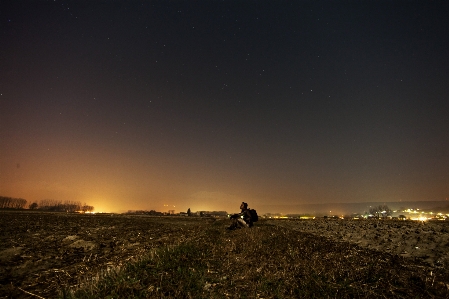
(349, 208)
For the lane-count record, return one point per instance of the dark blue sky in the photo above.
(137, 105)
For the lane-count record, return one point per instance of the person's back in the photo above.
(247, 216)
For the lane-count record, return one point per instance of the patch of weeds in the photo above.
(214, 234)
(275, 287)
(167, 273)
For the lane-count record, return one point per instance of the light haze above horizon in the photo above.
(170, 105)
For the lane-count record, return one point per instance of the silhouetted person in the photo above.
(243, 219)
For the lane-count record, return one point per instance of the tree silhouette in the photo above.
(12, 203)
(189, 213)
(380, 211)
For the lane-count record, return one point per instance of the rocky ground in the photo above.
(426, 241)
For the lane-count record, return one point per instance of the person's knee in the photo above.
(242, 223)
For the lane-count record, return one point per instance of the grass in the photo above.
(265, 261)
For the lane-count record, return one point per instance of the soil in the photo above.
(41, 253)
(426, 242)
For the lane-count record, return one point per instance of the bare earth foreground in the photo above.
(41, 253)
(425, 241)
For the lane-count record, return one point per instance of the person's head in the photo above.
(244, 206)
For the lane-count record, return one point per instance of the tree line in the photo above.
(52, 205)
(12, 203)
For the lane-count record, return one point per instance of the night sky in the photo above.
(130, 105)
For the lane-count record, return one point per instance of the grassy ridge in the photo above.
(264, 262)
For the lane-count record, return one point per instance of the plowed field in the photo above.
(42, 252)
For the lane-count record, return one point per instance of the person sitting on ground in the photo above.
(243, 219)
